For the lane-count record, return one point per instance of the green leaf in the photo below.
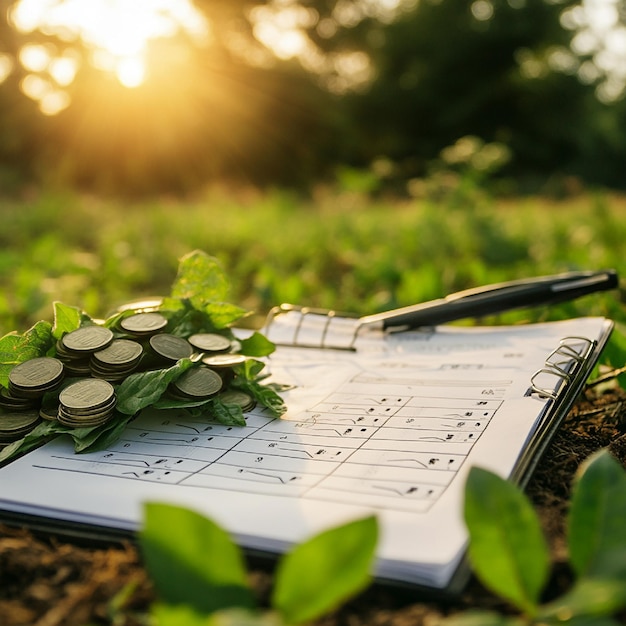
(591, 597)
(482, 618)
(227, 414)
(66, 319)
(249, 369)
(239, 617)
(180, 615)
(15, 348)
(36, 437)
(177, 615)
(319, 574)
(200, 279)
(99, 437)
(597, 541)
(263, 394)
(223, 314)
(174, 403)
(186, 320)
(144, 388)
(192, 561)
(9, 348)
(506, 546)
(614, 353)
(592, 620)
(257, 345)
(39, 339)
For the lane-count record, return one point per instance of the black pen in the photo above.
(492, 299)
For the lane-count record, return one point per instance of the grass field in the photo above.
(339, 249)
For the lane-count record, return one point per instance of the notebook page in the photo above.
(392, 429)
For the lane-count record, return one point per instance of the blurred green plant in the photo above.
(510, 557)
(343, 251)
(200, 576)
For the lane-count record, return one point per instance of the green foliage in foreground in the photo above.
(200, 576)
(201, 580)
(509, 555)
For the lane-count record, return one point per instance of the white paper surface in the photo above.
(391, 429)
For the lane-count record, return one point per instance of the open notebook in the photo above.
(390, 425)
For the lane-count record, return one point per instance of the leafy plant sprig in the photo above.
(200, 577)
(509, 555)
(197, 304)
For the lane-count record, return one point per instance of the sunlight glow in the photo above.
(63, 69)
(35, 57)
(131, 72)
(36, 87)
(281, 27)
(54, 102)
(600, 36)
(6, 67)
(482, 10)
(120, 28)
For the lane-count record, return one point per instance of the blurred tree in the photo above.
(281, 91)
(218, 107)
(21, 127)
(499, 69)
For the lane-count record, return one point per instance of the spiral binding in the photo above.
(563, 363)
(307, 313)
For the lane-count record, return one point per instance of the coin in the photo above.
(199, 382)
(87, 339)
(141, 306)
(87, 395)
(144, 323)
(77, 367)
(49, 412)
(210, 342)
(219, 361)
(238, 398)
(85, 419)
(9, 401)
(15, 424)
(170, 347)
(35, 376)
(120, 353)
(86, 403)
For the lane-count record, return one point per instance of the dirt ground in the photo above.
(49, 581)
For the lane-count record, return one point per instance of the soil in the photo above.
(47, 580)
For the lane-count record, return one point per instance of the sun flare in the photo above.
(117, 34)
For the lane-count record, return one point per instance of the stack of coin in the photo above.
(238, 398)
(88, 402)
(76, 347)
(49, 409)
(166, 349)
(210, 342)
(31, 379)
(224, 363)
(143, 325)
(15, 424)
(12, 403)
(119, 359)
(198, 383)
